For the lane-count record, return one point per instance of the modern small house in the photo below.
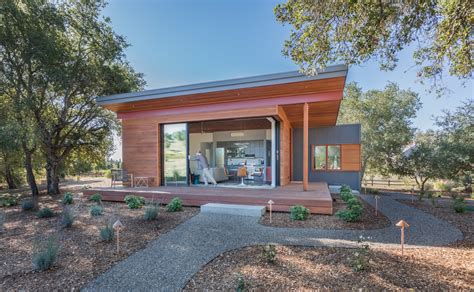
(266, 136)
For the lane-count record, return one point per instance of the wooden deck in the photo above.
(317, 199)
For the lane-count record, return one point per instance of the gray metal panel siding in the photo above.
(341, 134)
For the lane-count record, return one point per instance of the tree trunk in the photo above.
(9, 177)
(52, 169)
(30, 176)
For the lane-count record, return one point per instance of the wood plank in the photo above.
(305, 145)
(350, 156)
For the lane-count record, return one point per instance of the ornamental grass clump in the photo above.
(45, 253)
(299, 213)
(151, 212)
(45, 213)
(67, 217)
(134, 202)
(27, 205)
(96, 198)
(96, 210)
(175, 205)
(107, 232)
(68, 198)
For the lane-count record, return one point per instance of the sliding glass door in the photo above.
(175, 148)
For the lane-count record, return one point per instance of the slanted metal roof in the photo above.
(230, 84)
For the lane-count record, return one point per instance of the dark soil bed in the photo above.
(444, 210)
(310, 268)
(368, 220)
(83, 256)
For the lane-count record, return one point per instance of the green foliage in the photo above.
(354, 32)
(299, 212)
(27, 205)
(459, 205)
(354, 208)
(270, 253)
(45, 213)
(44, 253)
(134, 202)
(151, 212)
(345, 188)
(359, 261)
(67, 217)
(240, 283)
(68, 198)
(8, 201)
(107, 233)
(96, 198)
(352, 202)
(96, 210)
(345, 196)
(175, 205)
(391, 107)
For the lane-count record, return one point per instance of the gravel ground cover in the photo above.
(368, 220)
(310, 268)
(83, 256)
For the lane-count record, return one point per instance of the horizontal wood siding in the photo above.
(350, 156)
(285, 155)
(140, 148)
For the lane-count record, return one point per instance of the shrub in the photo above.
(299, 213)
(151, 213)
(8, 201)
(345, 188)
(175, 205)
(68, 198)
(345, 196)
(27, 205)
(96, 210)
(359, 260)
(134, 202)
(351, 214)
(44, 254)
(2, 221)
(67, 217)
(459, 205)
(107, 233)
(240, 283)
(96, 198)
(353, 202)
(269, 253)
(45, 213)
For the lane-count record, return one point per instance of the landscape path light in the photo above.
(117, 227)
(402, 224)
(377, 197)
(270, 203)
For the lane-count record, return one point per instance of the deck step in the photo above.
(231, 209)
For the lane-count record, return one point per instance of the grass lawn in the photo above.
(83, 255)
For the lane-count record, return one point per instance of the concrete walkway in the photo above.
(171, 260)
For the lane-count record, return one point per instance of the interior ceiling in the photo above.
(320, 114)
(229, 125)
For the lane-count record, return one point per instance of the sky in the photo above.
(177, 42)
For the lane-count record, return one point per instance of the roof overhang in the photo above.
(288, 84)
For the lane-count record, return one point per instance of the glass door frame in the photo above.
(162, 152)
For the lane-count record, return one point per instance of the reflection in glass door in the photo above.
(175, 143)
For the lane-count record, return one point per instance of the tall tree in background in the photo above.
(353, 32)
(55, 59)
(455, 137)
(386, 118)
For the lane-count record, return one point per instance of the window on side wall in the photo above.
(327, 157)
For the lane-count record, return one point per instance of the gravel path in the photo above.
(171, 260)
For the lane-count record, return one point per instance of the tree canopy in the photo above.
(386, 117)
(353, 32)
(56, 57)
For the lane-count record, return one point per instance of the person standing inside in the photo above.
(204, 165)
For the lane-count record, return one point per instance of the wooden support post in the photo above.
(305, 145)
